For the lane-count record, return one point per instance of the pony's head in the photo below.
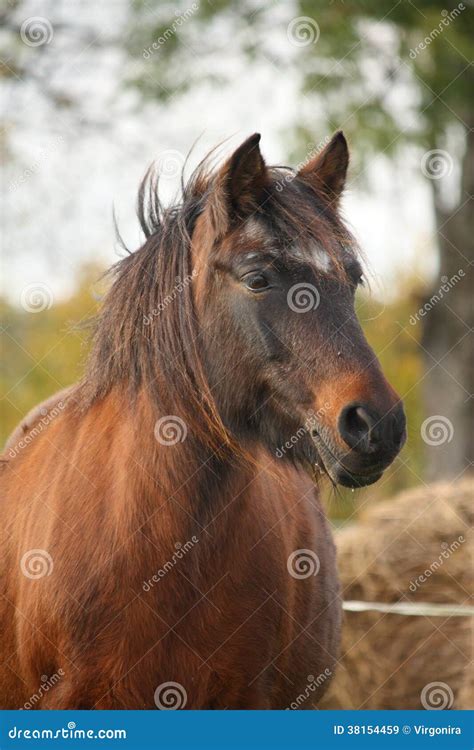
(284, 355)
(237, 316)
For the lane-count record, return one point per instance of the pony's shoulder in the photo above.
(38, 419)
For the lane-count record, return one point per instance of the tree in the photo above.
(391, 74)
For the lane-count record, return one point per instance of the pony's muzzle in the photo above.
(371, 434)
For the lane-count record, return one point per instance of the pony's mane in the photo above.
(147, 333)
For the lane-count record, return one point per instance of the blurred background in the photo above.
(92, 93)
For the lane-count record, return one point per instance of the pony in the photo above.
(164, 542)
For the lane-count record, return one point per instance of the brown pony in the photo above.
(162, 542)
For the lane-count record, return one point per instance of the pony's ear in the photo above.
(239, 184)
(327, 170)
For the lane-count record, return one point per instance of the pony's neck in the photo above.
(175, 475)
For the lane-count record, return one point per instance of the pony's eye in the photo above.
(356, 276)
(256, 282)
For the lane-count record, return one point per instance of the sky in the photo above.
(68, 168)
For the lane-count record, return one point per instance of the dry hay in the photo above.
(388, 659)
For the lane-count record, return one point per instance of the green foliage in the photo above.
(362, 53)
(44, 351)
(422, 47)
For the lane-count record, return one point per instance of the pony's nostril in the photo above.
(359, 420)
(356, 427)
(366, 431)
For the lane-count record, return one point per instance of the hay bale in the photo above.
(416, 547)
